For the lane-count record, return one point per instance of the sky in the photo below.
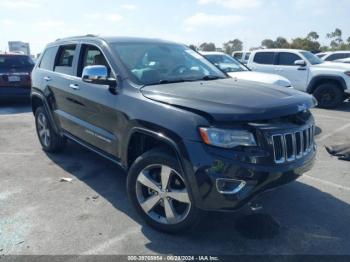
(187, 21)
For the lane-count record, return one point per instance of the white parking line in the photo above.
(327, 182)
(109, 243)
(16, 154)
(333, 133)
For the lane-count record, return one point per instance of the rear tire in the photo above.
(159, 193)
(329, 95)
(49, 139)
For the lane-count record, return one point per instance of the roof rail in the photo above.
(78, 36)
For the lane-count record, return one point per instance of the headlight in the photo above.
(226, 138)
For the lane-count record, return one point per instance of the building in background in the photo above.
(19, 46)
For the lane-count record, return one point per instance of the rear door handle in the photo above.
(47, 78)
(74, 86)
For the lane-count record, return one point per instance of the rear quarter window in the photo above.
(48, 58)
(265, 58)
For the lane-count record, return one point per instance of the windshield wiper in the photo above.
(165, 81)
(209, 77)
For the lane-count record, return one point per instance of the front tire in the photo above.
(158, 191)
(49, 139)
(329, 95)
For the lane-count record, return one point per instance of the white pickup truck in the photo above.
(329, 82)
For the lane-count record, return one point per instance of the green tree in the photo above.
(281, 42)
(207, 47)
(305, 44)
(336, 39)
(268, 43)
(232, 46)
(193, 47)
(313, 36)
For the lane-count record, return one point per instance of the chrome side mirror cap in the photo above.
(300, 62)
(98, 74)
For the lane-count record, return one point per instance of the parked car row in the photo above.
(189, 137)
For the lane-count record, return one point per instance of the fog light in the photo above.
(229, 186)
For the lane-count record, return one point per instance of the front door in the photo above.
(296, 74)
(95, 104)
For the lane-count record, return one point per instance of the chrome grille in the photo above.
(290, 146)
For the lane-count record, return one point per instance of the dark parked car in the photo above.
(190, 138)
(15, 79)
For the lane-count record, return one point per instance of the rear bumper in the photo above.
(252, 179)
(14, 92)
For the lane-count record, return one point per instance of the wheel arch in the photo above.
(37, 100)
(317, 80)
(141, 140)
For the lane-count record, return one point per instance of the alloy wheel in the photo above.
(43, 130)
(162, 194)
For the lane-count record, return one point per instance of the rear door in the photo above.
(297, 75)
(263, 62)
(94, 104)
(58, 83)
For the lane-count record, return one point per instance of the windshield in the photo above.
(314, 60)
(158, 63)
(15, 61)
(226, 63)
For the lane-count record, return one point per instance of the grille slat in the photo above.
(290, 146)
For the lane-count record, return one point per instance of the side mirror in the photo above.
(98, 74)
(300, 63)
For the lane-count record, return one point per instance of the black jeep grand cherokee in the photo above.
(190, 138)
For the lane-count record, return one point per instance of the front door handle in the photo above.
(74, 86)
(47, 78)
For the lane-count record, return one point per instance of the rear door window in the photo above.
(287, 59)
(265, 58)
(64, 59)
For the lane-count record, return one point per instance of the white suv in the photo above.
(333, 56)
(328, 82)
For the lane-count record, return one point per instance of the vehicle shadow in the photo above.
(297, 218)
(9, 107)
(345, 107)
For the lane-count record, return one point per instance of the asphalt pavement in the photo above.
(40, 215)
